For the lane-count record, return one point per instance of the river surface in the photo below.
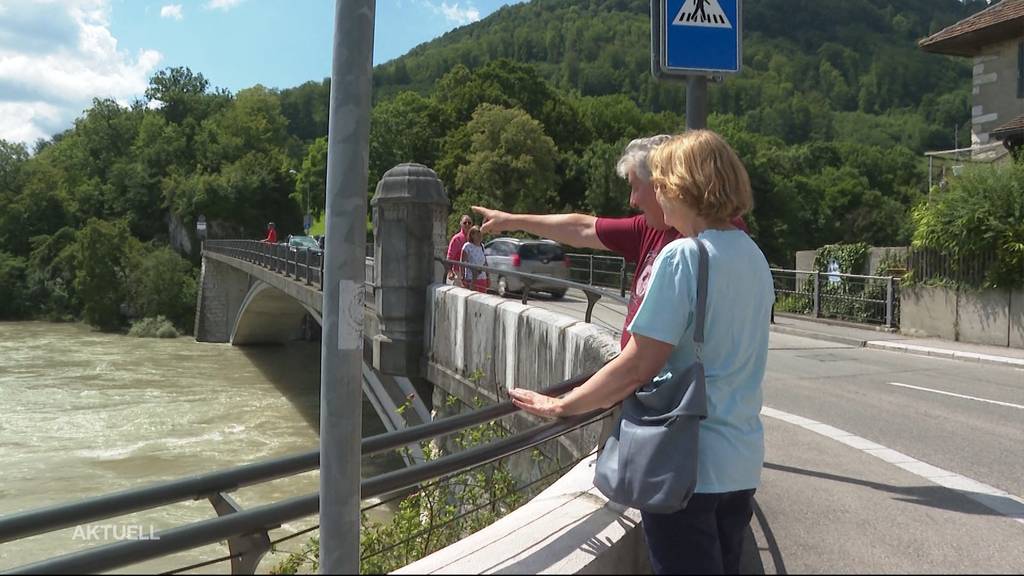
(84, 413)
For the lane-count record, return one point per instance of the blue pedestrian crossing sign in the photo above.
(697, 37)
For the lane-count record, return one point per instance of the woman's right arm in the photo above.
(640, 360)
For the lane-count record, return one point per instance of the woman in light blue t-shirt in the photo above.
(701, 186)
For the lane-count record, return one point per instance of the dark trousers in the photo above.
(706, 537)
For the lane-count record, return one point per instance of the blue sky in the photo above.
(55, 56)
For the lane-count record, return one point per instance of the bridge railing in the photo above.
(307, 265)
(246, 531)
(593, 293)
(303, 264)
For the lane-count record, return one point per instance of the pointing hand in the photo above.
(495, 221)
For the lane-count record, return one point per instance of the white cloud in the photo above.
(224, 5)
(454, 13)
(55, 57)
(171, 11)
(460, 15)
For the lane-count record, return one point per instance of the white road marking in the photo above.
(944, 393)
(989, 496)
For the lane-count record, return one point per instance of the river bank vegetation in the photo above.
(525, 110)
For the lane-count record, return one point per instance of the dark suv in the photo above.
(541, 257)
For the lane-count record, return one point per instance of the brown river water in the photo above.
(83, 413)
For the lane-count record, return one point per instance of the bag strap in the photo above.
(702, 299)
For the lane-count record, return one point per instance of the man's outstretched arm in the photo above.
(579, 230)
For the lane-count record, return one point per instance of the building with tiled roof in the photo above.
(994, 38)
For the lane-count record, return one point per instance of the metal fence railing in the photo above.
(246, 531)
(599, 270)
(850, 297)
(593, 293)
(972, 271)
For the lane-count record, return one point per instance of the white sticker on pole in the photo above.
(350, 312)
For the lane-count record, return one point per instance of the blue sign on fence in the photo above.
(699, 36)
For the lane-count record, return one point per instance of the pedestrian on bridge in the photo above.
(455, 247)
(702, 187)
(473, 253)
(271, 234)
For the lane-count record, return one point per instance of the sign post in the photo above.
(695, 39)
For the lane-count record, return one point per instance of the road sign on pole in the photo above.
(696, 37)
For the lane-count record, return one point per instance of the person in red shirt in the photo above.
(638, 239)
(271, 234)
(455, 247)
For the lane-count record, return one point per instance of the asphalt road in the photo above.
(836, 506)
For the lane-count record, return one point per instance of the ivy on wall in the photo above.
(850, 257)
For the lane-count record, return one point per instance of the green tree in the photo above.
(406, 128)
(311, 182)
(511, 162)
(51, 275)
(103, 251)
(13, 287)
(980, 213)
(607, 193)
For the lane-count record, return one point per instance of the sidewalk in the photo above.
(893, 341)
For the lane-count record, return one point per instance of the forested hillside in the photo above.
(525, 110)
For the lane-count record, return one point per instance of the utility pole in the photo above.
(341, 355)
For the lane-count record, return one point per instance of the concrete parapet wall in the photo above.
(477, 347)
(1017, 318)
(983, 317)
(928, 311)
(994, 317)
(569, 529)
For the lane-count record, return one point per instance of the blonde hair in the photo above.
(699, 168)
(475, 232)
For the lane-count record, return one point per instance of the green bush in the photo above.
(161, 283)
(13, 287)
(981, 212)
(153, 327)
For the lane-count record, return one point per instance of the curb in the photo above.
(890, 346)
(849, 341)
(945, 353)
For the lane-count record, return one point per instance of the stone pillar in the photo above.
(222, 288)
(410, 209)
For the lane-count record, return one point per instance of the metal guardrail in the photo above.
(593, 294)
(851, 297)
(246, 531)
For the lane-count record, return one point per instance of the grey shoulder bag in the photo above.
(650, 460)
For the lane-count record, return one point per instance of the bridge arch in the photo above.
(267, 316)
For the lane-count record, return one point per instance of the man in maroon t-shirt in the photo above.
(638, 239)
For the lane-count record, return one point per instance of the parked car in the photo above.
(541, 257)
(302, 243)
